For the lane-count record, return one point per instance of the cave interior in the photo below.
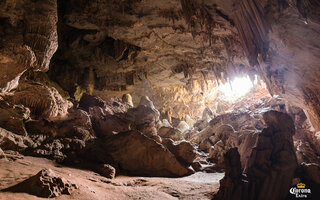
(170, 99)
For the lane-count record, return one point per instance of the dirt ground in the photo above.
(93, 186)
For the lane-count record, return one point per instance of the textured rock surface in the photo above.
(12, 117)
(270, 167)
(144, 117)
(106, 170)
(110, 117)
(11, 141)
(44, 102)
(137, 154)
(177, 52)
(183, 150)
(29, 38)
(44, 184)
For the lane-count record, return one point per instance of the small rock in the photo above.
(107, 171)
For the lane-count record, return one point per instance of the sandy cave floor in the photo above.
(93, 186)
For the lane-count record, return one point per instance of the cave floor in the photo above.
(93, 186)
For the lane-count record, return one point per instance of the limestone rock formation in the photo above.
(11, 141)
(109, 117)
(12, 117)
(224, 139)
(183, 150)
(136, 154)
(106, 170)
(28, 38)
(170, 132)
(44, 184)
(270, 167)
(44, 102)
(88, 101)
(144, 117)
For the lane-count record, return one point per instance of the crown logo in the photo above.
(301, 185)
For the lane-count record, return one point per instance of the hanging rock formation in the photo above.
(28, 38)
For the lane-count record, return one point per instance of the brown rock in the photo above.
(225, 138)
(196, 166)
(2, 155)
(12, 118)
(169, 132)
(11, 141)
(88, 101)
(44, 102)
(44, 184)
(105, 124)
(106, 170)
(144, 117)
(270, 167)
(183, 150)
(111, 118)
(140, 155)
(29, 40)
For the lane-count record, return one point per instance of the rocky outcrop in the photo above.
(44, 102)
(225, 138)
(45, 184)
(270, 167)
(144, 117)
(110, 117)
(183, 150)
(12, 117)
(211, 135)
(88, 101)
(170, 132)
(61, 139)
(11, 141)
(136, 154)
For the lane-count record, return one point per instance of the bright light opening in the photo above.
(236, 88)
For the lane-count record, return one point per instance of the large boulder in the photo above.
(106, 170)
(225, 138)
(145, 117)
(109, 118)
(88, 101)
(105, 124)
(136, 154)
(183, 150)
(60, 139)
(44, 102)
(170, 132)
(44, 184)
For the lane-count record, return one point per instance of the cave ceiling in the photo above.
(162, 42)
